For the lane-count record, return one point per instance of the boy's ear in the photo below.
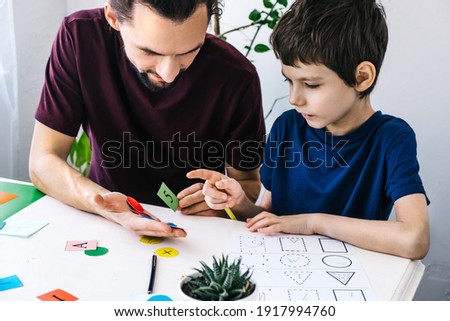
(111, 17)
(365, 76)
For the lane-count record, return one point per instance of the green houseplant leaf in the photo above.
(261, 48)
(80, 154)
(255, 15)
(224, 281)
(268, 4)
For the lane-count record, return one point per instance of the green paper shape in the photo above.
(97, 252)
(168, 197)
(26, 195)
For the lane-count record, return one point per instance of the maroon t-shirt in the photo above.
(140, 138)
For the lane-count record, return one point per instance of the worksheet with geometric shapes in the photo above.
(301, 267)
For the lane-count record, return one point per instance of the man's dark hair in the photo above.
(339, 34)
(176, 10)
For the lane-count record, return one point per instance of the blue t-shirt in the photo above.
(359, 175)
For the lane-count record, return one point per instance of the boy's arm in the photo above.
(408, 236)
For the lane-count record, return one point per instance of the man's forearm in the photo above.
(252, 188)
(56, 178)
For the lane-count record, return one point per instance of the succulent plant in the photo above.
(221, 282)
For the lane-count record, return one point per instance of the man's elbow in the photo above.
(34, 176)
(36, 167)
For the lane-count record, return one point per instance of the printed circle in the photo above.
(151, 239)
(337, 261)
(167, 252)
(99, 251)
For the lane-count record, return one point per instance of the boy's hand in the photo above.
(220, 190)
(266, 222)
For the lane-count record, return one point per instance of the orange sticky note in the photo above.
(6, 197)
(57, 295)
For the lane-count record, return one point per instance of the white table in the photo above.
(43, 265)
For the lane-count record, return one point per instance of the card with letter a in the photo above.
(81, 245)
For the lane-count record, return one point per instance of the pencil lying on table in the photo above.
(152, 275)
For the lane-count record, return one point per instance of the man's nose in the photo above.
(168, 69)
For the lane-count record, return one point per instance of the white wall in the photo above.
(235, 14)
(36, 23)
(414, 83)
(75, 5)
(8, 90)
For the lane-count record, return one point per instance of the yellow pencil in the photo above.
(230, 213)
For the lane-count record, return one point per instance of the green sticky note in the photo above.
(168, 197)
(16, 196)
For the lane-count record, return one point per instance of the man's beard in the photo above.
(155, 86)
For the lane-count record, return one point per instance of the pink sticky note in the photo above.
(81, 245)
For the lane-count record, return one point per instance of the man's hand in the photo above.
(192, 202)
(113, 206)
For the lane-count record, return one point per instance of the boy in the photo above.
(334, 166)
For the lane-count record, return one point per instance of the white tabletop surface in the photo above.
(43, 265)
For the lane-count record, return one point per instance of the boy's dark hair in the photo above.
(175, 10)
(339, 34)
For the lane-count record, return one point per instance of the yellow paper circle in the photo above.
(167, 252)
(151, 239)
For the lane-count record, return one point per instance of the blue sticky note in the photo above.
(10, 282)
(22, 227)
(2, 224)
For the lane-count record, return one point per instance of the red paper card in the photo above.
(57, 295)
(5, 197)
